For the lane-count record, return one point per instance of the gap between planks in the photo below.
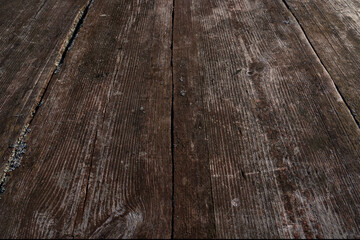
(172, 122)
(321, 62)
(20, 146)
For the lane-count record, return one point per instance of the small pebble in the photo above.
(183, 93)
(142, 109)
(287, 22)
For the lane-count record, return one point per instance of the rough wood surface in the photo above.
(193, 203)
(33, 35)
(333, 28)
(262, 122)
(99, 158)
(189, 119)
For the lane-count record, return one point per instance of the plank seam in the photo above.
(321, 62)
(172, 123)
(19, 148)
(210, 178)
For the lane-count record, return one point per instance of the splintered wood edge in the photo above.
(25, 130)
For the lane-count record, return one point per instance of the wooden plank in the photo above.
(33, 36)
(99, 162)
(254, 107)
(333, 30)
(193, 212)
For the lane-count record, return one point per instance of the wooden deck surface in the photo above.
(180, 119)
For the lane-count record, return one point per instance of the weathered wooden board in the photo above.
(99, 152)
(217, 121)
(193, 203)
(333, 28)
(33, 35)
(261, 134)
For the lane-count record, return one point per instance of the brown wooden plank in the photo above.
(254, 107)
(333, 30)
(99, 154)
(33, 36)
(193, 212)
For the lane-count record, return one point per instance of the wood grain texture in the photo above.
(99, 154)
(193, 211)
(33, 35)
(333, 29)
(259, 123)
(219, 121)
